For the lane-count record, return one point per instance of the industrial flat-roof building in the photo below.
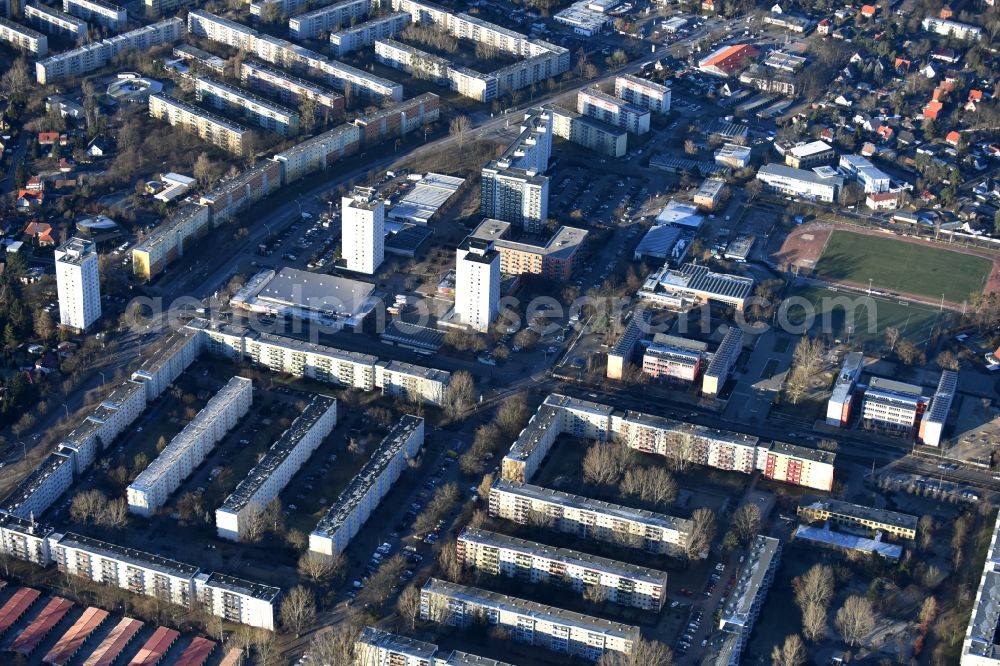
(808, 155)
(428, 195)
(693, 284)
(822, 186)
(529, 622)
(589, 518)
(273, 472)
(189, 447)
(621, 583)
(826, 509)
(709, 194)
(372, 482)
(328, 299)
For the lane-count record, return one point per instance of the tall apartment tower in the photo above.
(363, 231)
(78, 284)
(513, 187)
(477, 283)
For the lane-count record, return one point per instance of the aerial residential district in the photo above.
(499, 332)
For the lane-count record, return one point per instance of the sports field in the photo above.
(899, 266)
(844, 315)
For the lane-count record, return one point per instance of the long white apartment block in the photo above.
(616, 112)
(372, 483)
(237, 600)
(262, 112)
(204, 124)
(363, 231)
(528, 622)
(933, 421)
(161, 7)
(218, 29)
(412, 382)
(981, 646)
(742, 607)
(24, 38)
(643, 93)
(589, 518)
(348, 39)
(78, 283)
(364, 83)
(530, 561)
(103, 13)
(273, 472)
(377, 647)
(189, 447)
(160, 369)
(329, 18)
(102, 426)
(588, 132)
(25, 539)
(89, 57)
(40, 489)
(54, 22)
(319, 152)
(723, 361)
(291, 89)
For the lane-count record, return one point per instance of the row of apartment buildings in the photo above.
(291, 89)
(283, 53)
(192, 221)
(54, 22)
(190, 446)
(726, 450)
(277, 467)
(262, 112)
(369, 486)
(207, 126)
(24, 38)
(102, 13)
(376, 647)
(93, 56)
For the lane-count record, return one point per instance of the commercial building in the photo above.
(24, 38)
(588, 518)
(260, 111)
(532, 562)
(872, 179)
(741, 609)
(769, 81)
(722, 362)
(528, 622)
(89, 57)
(373, 481)
(826, 537)
(428, 196)
(933, 421)
(513, 187)
(692, 284)
(349, 39)
(733, 156)
(838, 408)
(189, 447)
(709, 194)
(726, 60)
(826, 509)
(981, 646)
(588, 132)
(808, 155)
(237, 600)
(205, 125)
(788, 22)
(363, 231)
(962, 31)
(327, 19)
(613, 111)
(54, 22)
(556, 259)
(102, 13)
(584, 20)
(797, 465)
(785, 62)
(823, 185)
(273, 471)
(477, 288)
(78, 284)
(192, 54)
(673, 357)
(893, 405)
(642, 92)
(40, 489)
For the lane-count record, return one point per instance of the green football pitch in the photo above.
(902, 267)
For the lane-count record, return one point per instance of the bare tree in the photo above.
(605, 462)
(115, 514)
(320, 568)
(381, 583)
(484, 487)
(643, 653)
(458, 128)
(855, 619)
(255, 523)
(892, 336)
(680, 447)
(814, 622)
(925, 532)
(408, 605)
(335, 646)
(746, 523)
(451, 565)
(87, 505)
(702, 533)
(460, 394)
(928, 611)
(815, 586)
(595, 593)
(650, 484)
(441, 503)
(512, 415)
(298, 609)
(791, 653)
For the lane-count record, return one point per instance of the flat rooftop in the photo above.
(24, 490)
(292, 287)
(391, 642)
(128, 555)
(859, 511)
(241, 586)
(804, 452)
(892, 386)
(749, 582)
(421, 203)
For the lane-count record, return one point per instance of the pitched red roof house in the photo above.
(953, 138)
(868, 11)
(40, 231)
(47, 138)
(885, 132)
(932, 110)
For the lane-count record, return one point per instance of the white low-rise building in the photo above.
(362, 496)
(236, 600)
(273, 472)
(189, 447)
(528, 622)
(872, 179)
(809, 184)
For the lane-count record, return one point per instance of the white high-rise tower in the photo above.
(363, 231)
(477, 283)
(78, 284)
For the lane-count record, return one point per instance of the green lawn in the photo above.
(835, 312)
(898, 266)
